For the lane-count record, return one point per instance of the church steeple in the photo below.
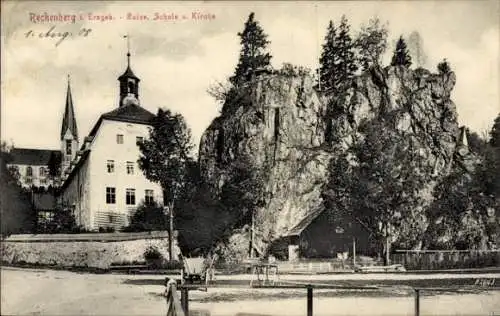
(69, 132)
(69, 120)
(129, 82)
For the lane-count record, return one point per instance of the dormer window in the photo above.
(119, 139)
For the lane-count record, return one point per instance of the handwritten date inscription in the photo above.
(58, 35)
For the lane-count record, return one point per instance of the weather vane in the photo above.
(128, 47)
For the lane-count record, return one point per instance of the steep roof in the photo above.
(304, 222)
(130, 113)
(128, 74)
(34, 157)
(69, 121)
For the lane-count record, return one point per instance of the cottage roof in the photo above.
(304, 223)
(29, 156)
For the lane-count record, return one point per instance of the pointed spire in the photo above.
(69, 120)
(128, 72)
(128, 50)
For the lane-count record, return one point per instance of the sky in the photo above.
(177, 61)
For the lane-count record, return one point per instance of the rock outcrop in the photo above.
(280, 126)
(279, 122)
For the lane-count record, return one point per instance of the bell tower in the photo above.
(129, 83)
(69, 132)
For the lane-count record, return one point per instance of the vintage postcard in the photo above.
(272, 158)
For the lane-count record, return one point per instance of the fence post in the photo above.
(417, 302)
(185, 300)
(309, 300)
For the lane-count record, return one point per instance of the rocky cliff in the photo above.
(279, 122)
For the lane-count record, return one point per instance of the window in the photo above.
(119, 139)
(139, 139)
(130, 167)
(68, 146)
(148, 197)
(43, 181)
(29, 180)
(110, 195)
(110, 166)
(130, 197)
(29, 171)
(130, 87)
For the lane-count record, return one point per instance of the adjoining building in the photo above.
(103, 185)
(32, 166)
(99, 180)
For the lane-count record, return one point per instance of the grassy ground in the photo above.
(49, 292)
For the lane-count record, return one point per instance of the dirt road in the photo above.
(48, 292)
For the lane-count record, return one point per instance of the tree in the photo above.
(337, 61)
(16, 213)
(54, 165)
(458, 213)
(381, 188)
(326, 77)
(401, 56)
(371, 43)
(253, 54)
(243, 194)
(495, 133)
(444, 67)
(165, 157)
(346, 65)
(476, 143)
(492, 160)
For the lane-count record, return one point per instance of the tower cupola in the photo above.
(129, 83)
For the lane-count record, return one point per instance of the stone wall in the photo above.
(84, 250)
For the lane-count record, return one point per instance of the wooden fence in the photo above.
(180, 306)
(446, 259)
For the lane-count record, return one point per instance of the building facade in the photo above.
(31, 166)
(103, 184)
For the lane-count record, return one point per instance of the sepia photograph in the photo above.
(250, 158)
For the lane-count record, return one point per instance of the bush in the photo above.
(106, 229)
(148, 217)
(63, 222)
(153, 257)
(152, 253)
